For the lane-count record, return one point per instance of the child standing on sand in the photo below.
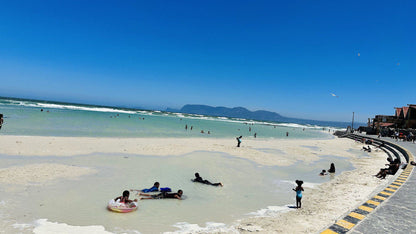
(298, 191)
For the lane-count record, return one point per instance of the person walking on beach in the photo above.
(239, 140)
(298, 191)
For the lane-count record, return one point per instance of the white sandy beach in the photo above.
(68, 146)
(321, 205)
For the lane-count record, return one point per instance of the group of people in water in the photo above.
(330, 170)
(164, 193)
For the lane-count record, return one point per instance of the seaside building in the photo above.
(404, 118)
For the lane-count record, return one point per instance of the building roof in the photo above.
(398, 111)
(405, 110)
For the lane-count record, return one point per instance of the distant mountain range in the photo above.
(236, 112)
(260, 115)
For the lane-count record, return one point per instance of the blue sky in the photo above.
(282, 56)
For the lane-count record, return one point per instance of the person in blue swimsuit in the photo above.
(155, 188)
(298, 191)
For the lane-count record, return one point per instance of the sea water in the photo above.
(24, 117)
(249, 190)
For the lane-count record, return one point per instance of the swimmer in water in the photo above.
(200, 180)
(323, 172)
(163, 195)
(124, 198)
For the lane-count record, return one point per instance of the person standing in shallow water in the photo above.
(1, 120)
(239, 140)
(298, 191)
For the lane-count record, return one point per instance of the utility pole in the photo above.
(352, 125)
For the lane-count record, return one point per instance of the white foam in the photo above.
(22, 226)
(43, 226)
(294, 125)
(271, 211)
(210, 227)
(72, 107)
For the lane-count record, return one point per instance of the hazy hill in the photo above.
(236, 112)
(261, 115)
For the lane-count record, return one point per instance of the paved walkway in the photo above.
(398, 213)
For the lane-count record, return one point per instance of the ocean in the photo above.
(44, 118)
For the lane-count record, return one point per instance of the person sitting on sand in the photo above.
(155, 188)
(298, 191)
(163, 195)
(323, 172)
(125, 198)
(332, 168)
(368, 149)
(200, 180)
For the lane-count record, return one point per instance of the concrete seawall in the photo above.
(390, 209)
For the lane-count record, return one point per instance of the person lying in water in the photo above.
(155, 188)
(200, 180)
(323, 172)
(162, 195)
(124, 198)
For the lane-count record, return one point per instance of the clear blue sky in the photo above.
(283, 56)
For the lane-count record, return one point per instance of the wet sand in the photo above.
(321, 204)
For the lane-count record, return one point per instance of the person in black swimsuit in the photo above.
(163, 195)
(200, 180)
